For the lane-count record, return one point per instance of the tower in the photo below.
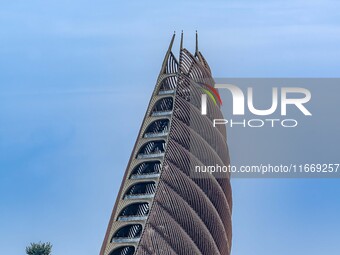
(163, 207)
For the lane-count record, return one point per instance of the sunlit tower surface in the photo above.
(163, 208)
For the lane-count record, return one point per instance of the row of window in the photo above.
(131, 233)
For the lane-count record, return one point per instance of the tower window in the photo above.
(141, 188)
(135, 210)
(152, 149)
(163, 106)
(124, 250)
(157, 128)
(146, 169)
(131, 231)
(168, 85)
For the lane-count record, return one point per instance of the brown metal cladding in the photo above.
(162, 208)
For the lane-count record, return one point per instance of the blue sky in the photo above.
(70, 73)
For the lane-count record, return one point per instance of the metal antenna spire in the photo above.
(196, 50)
(168, 54)
(172, 41)
(182, 40)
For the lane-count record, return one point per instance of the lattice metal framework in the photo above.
(161, 208)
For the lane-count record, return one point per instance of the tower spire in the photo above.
(171, 42)
(168, 53)
(182, 40)
(196, 49)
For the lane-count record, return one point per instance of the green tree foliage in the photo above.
(39, 249)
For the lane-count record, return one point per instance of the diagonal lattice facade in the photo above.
(161, 207)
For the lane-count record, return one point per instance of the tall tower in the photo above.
(163, 207)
